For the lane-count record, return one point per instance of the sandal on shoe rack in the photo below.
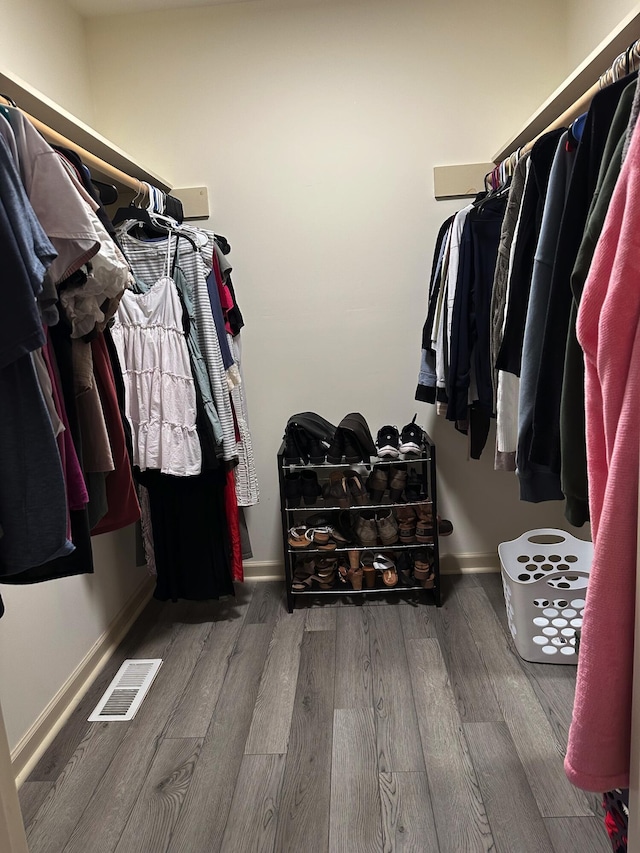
(387, 569)
(351, 572)
(297, 537)
(321, 538)
(356, 488)
(368, 570)
(322, 571)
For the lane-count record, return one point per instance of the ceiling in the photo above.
(94, 8)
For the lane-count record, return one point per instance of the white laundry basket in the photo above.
(544, 575)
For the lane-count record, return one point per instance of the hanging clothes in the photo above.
(160, 390)
(507, 384)
(121, 501)
(190, 535)
(538, 482)
(147, 261)
(608, 330)
(470, 388)
(545, 440)
(573, 451)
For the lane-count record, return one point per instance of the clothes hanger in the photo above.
(4, 109)
(107, 192)
(140, 215)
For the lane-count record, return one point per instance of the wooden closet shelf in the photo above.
(568, 101)
(65, 127)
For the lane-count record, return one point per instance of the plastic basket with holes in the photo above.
(544, 575)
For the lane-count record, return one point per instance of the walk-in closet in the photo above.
(319, 447)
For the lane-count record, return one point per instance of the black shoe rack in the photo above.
(294, 512)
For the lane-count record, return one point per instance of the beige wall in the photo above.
(316, 128)
(588, 22)
(49, 628)
(44, 44)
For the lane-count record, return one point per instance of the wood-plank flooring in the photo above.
(387, 725)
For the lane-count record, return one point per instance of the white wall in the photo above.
(44, 44)
(316, 127)
(49, 628)
(588, 22)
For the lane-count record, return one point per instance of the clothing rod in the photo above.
(582, 104)
(106, 169)
(569, 115)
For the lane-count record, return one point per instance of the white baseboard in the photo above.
(264, 570)
(40, 735)
(450, 564)
(469, 564)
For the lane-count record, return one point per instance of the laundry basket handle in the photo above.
(558, 536)
(582, 576)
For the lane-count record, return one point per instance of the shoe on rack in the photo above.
(368, 570)
(336, 491)
(336, 449)
(422, 570)
(387, 568)
(424, 511)
(414, 489)
(293, 488)
(297, 537)
(303, 575)
(377, 482)
(412, 439)
(366, 530)
(352, 452)
(317, 451)
(424, 531)
(344, 527)
(398, 477)
(355, 572)
(404, 565)
(407, 531)
(310, 487)
(291, 450)
(387, 528)
(402, 513)
(387, 442)
(321, 538)
(356, 488)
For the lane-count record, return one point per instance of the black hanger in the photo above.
(108, 193)
(142, 216)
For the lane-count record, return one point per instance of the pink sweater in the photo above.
(609, 333)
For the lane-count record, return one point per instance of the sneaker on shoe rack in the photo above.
(387, 442)
(412, 439)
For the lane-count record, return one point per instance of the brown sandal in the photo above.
(355, 572)
(297, 538)
(387, 569)
(356, 488)
(368, 570)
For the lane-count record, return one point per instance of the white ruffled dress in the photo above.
(160, 393)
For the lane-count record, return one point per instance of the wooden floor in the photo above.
(391, 726)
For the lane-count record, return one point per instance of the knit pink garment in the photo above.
(609, 332)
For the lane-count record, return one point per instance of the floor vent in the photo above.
(124, 695)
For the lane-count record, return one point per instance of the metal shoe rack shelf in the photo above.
(295, 515)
